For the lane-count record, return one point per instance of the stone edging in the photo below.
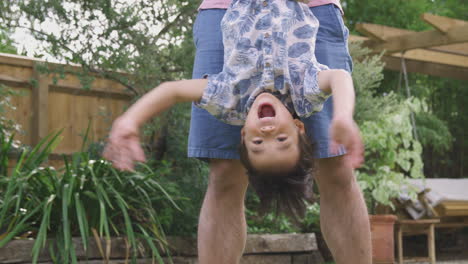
(282, 248)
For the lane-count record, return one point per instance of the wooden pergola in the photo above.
(441, 52)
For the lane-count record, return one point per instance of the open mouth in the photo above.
(266, 110)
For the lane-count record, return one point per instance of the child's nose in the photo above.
(267, 129)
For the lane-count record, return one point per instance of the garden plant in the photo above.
(86, 198)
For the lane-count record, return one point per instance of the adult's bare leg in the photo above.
(222, 228)
(344, 218)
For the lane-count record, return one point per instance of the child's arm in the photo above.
(123, 147)
(163, 97)
(343, 129)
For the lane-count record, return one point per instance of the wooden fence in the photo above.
(46, 106)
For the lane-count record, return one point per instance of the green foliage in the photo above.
(445, 142)
(6, 43)
(139, 44)
(85, 197)
(269, 223)
(189, 175)
(441, 128)
(396, 13)
(392, 153)
(401, 13)
(433, 132)
(7, 126)
(147, 40)
(367, 77)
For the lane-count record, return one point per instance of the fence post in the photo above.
(40, 98)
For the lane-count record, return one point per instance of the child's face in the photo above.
(271, 134)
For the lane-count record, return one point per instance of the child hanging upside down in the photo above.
(270, 77)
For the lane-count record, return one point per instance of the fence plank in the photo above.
(40, 92)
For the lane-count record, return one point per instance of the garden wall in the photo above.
(260, 249)
(49, 104)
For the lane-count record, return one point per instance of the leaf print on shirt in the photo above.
(267, 47)
(275, 12)
(280, 53)
(245, 23)
(231, 16)
(297, 8)
(243, 44)
(243, 2)
(259, 42)
(241, 86)
(298, 49)
(259, 64)
(295, 73)
(230, 34)
(264, 22)
(228, 72)
(287, 24)
(304, 32)
(279, 82)
(279, 38)
(243, 60)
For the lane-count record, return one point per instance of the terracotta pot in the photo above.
(382, 238)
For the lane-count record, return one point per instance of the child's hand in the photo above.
(345, 132)
(123, 148)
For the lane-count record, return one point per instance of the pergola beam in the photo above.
(441, 52)
(427, 55)
(443, 24)
(380, 32)
(417, 40)
(430, 68)
(459, 49)
(435, 56)
(426, 62)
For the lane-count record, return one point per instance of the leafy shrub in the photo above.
(85, 197)
(433, 132)
(392, 153)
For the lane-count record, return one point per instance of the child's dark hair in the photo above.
(284, 191)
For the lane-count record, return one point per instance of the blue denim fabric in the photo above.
(213, 139)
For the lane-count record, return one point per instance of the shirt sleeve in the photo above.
(311, 98)
(221, 100)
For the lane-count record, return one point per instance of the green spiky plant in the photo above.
(85, 198)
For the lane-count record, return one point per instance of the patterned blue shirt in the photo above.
(269, 47)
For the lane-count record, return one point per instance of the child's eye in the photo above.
(257, 141)
(281, 139)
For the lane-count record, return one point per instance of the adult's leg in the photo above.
(343, 213)
(222, 226)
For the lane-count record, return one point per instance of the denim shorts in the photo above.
(210, 138)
